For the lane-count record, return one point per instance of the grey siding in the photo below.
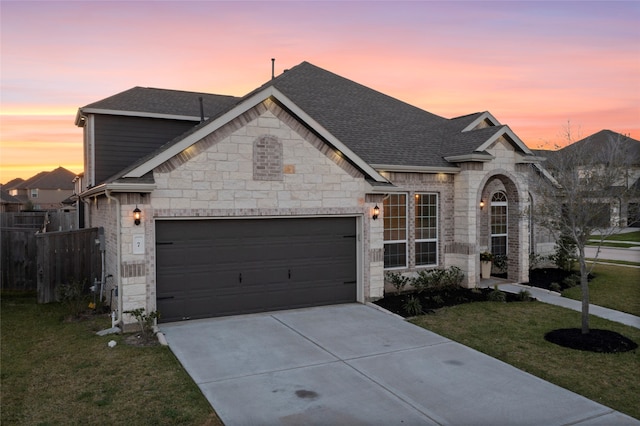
(121, 141)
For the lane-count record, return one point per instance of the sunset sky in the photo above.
(533, 65)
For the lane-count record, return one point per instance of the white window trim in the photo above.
(406, 236)
(429, 240)
(506, 234)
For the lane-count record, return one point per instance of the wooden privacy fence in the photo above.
(48, 220)
(18, 265)
(18, 245)
(64, 257)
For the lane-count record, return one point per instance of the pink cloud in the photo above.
(532, 64)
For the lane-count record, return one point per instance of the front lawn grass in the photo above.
(514, 333)
(616, 262)
(56, 372)
(622, 238)
(614, 287)
(627, 236)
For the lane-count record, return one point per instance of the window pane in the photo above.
(395, 229)
(499, 228)
(395, 255)
(426, 253)
(499, 246)
(426, 229)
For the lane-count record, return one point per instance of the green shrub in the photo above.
(413, 306)
(437, 299)
(145, 321)
(438, 279)
(497, 295)
(524, 295)
(565, 255)
(555, 287)
(398, 281)
(500, 262)
(73, 297)
(535, 260)
(571, 281)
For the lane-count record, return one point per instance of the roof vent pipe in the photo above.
(273, 68)
(201, 109)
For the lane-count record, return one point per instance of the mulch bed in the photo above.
(138, 339)
(544, 277)
(431, 300)
(596, 340)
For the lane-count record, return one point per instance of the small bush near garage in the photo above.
(61, 372)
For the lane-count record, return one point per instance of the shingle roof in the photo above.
(460, 143)
(13, 183)
(378, 128)
(594, 142)
(164, 102)
(597, 140)
(59, 178)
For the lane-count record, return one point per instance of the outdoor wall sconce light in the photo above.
(376, 212)
(481, 204)
(136, 215)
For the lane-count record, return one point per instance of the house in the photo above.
(8, 203)
(304, 192)
(44, 191)
(621, 203)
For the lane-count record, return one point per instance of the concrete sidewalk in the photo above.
(554, 298)
(355, 365)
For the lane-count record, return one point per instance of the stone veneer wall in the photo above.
(218, 177)
(470, 187)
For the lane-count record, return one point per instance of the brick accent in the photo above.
(376, 255)
(130, 269)
(267, 158)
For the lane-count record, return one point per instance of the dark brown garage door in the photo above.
(207, 268)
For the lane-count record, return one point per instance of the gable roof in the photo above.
(375, 130)
(13, 183)
(597, 140)
(594, 142)
(159, 103)
(59, 178)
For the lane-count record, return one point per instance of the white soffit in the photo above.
(139, 114)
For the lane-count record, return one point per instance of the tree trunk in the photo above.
(584, 286)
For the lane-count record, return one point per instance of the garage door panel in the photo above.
(221, 267)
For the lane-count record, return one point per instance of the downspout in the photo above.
(118, 253)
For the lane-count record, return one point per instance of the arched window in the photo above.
(499, 223)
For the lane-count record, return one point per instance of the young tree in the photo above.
(573, 190)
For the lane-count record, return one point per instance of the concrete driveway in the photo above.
(353, 364)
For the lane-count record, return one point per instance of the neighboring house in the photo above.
(301, 193)
(46, 190)
(8, 203)
(623, 211)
